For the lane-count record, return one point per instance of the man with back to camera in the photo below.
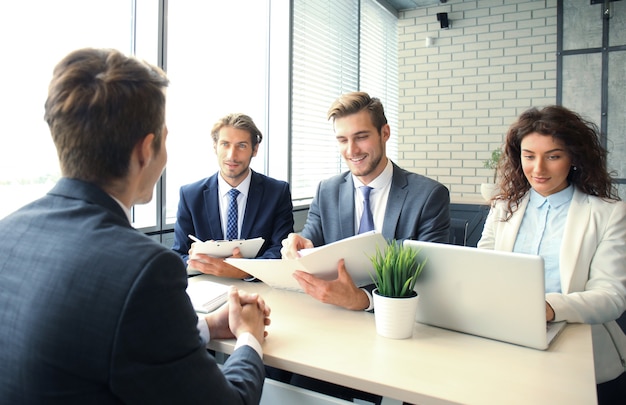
(92, 310)
(263, 204)
(404, 205)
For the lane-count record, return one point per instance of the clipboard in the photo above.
(224, 248)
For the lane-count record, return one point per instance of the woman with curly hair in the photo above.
(557, 200)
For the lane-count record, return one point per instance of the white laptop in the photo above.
(493, 294)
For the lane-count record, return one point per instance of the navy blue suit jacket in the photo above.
(95, 312)
(269, 214)
(417, 208)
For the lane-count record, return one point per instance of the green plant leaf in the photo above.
(396, 269)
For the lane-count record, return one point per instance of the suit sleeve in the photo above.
(158, 355)
(487, 239)
(434, 223)
(282, 223)
(313, 226)
(604, 296)
(182, 228)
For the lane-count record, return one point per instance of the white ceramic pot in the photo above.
(488, 190)
(394, 317)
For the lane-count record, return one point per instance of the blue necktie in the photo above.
(231, 222)
(367, 221)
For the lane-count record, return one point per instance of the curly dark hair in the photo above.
(582, 143)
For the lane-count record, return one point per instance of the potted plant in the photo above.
(396, 269)
(488, 190)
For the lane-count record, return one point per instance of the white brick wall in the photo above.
(459, 96)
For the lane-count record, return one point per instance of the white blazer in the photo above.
(593, 271)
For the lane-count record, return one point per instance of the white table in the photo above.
(435, 366)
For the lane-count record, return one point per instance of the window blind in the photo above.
(338, 47)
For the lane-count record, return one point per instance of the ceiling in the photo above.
(411, 4)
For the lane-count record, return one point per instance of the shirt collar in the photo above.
(126, 209)
(555, 200)
(381, 181)
(243, 187)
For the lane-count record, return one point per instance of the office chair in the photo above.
(458, 231)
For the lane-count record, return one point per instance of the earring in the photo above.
(574, 168)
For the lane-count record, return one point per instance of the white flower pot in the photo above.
(394, 317)
(488, 190)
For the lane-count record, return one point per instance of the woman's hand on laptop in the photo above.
(549, 313)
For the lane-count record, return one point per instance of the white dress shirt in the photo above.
(223, 188)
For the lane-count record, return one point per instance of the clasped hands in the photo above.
(244, 312)
(341, 291)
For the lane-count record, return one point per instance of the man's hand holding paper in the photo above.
(208, 257)
(215, 265)
(340, 291)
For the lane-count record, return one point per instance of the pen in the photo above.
(193, 238)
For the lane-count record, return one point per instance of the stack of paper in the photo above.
(206, 296)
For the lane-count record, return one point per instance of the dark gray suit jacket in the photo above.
(417, 208)
(93, 312)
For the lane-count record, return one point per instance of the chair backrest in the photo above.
(621, 321)
(458, 231)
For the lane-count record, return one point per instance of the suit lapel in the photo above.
(253, 203)
(345, 206)
(573, 235)
(212, 206)
(509, 229)
(395, 202)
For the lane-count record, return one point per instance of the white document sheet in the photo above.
(321, 262)
(206, 296)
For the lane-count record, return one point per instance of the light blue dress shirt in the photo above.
(541, 232)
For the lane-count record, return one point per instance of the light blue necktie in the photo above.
(367, 221)
(231, 222)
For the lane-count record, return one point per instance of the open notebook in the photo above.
(493, 294)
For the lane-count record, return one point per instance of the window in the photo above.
(31, 47)
(217, 65)
(338, 47)
(379, 63)
(220, 58)
(591, 79)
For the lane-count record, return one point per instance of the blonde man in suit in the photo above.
(404, 205)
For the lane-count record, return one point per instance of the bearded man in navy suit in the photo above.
(263, 203)
(92, 310)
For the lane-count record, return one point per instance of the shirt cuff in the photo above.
(369, 297)
(247, 339)
(205, 334)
